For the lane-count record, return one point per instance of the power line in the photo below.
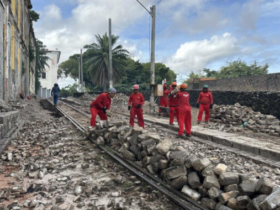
(158, 2)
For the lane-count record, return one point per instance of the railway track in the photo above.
(255, 158)
(80, 120)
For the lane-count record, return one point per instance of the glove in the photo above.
(104, 110)
(211, 106)
(138, 106)
(129, 107)
(197, 105)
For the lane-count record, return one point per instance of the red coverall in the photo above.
(205, 99)
(134, 100)
(96, 107)
(185, 116)
(163, 99)
(173, 108)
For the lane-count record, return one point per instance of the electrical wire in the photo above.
(158, 2)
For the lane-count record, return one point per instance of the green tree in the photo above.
(34, 16)
(41, 62)
(69, 90)
(240, 68)
(98, 60)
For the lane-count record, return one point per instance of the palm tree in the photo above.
(41, 58)
(41, 61)
(98, 60)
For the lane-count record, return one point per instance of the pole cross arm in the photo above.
(144, 7)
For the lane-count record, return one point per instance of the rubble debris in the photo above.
(198, 177)
(236, 118)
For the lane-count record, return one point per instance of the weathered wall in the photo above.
(1, 51)
(261, 101)
(269, 82)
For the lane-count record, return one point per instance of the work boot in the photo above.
(206, 122)
(198, 122)
(188, 135)
(179, 136)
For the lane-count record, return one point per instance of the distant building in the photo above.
(49, 77)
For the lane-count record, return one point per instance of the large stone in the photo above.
(142, 137)
(163, 164)
(264, 186)
(272, 201)
(191, 193)
(193, 180)
(211, 181)
(214, 192)
(208, 203)
(127, 134)
(222, 207)
(133, 139)
(175, 172)
(179, 182)
(154, 136)
(208, 171)
(220, 168)
(148, 143)
(202, 191)
(228, 178)
(164, 146)
(243, 201)
(248, 187)
(224, 197)
(232, 187)
(200, 164)
(232, 203)
(156, 158)
(190, 160)
(255, 203)
(128, 155)
(177, 155)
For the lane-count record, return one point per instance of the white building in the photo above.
(49, 77)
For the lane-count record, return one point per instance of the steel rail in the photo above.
(255, 158)
(179, 198)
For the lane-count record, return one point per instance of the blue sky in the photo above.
(190, 35)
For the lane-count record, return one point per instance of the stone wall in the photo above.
(262, 101)
(7, 121)
(269, 82)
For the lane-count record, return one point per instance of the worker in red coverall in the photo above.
(204, 103)
(100, 105)
(163, 99)
(185, 116)
(135, 103)
(173, 104)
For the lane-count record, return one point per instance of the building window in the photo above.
(43, 75)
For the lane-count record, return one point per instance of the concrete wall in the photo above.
(269, 82)
(7, 121)
(261, 101)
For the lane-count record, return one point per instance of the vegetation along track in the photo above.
(80, 120)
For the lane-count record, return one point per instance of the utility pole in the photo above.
(152, 12)
(110, 55)
(153, 41)
(82, 72)
(79, 69)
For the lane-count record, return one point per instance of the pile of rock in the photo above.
(4, 107)
(198, 178)
(229, 116)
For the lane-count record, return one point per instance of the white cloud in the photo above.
(195, 55)
(52, 12)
